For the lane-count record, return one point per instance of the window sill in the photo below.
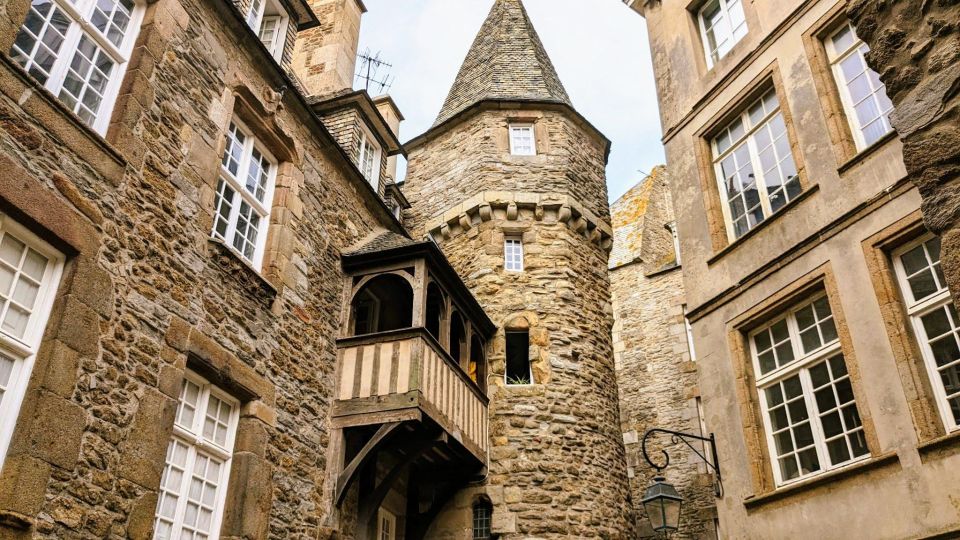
(939, 447)
(820, 481)
(756, 230)
(248, 276)
(862, 155)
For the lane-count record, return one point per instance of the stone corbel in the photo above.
(565, 214)
(512, 211)
(486, 213)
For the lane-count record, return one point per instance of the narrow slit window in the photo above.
(513, 254)
(482, 520)
(518, 358)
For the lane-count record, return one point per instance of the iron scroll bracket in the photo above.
(677, 437)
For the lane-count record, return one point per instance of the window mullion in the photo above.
(68, 49)
(758, 181)
(819, 439)
(189, 463)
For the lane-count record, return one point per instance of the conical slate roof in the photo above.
(507, 61)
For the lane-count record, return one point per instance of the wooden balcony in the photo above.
(405, 375)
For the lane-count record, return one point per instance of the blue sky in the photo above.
(599, 48)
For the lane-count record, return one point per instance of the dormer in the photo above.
(275, 22)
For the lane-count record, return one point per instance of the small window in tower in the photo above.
(518, 358)
(482, 520)
(513, 254)
(522, 140)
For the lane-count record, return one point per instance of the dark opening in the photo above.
(482, 520)
(384, 303)
(458, 338)
(518, 358)
(477, 368)
(435, 305)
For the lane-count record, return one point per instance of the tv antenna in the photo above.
(369, 75)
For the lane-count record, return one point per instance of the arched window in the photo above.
(477, 368)
(384, 303)
(458, 338)
(435, 308)
(482, 520)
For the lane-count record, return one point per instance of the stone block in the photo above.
(249, 497)
(141, 520)
(23, 484)
(57, 365)
(51, 429)
(143, 452)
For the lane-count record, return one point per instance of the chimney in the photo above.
(325, 57)
(389, 111)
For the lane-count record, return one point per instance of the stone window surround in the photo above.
(818, 280)
(709, 185)
(710, 71)
(515, 127)
(541, 137)
(835, 115)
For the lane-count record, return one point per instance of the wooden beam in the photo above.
(368, 451)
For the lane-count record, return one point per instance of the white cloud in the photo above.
(599, 48)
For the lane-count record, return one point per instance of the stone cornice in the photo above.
(546, 207)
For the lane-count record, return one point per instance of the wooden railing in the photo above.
(382, 376)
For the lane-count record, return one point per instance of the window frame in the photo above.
(724, 7)
(513, 261)
(516, 127)
(263, 209)
(834, 58)
(367, 140)
(23, 351)
(800, 366)
(80, 16)
(915, 310)
(482, 521)
(196, 443)
(506, 365)
(717, 157)
(391, 518)
(256, 20)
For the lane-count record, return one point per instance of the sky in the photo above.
(599, 48)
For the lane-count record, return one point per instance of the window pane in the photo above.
(38, 42)
(837, 410)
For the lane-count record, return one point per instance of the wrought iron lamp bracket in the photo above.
(677, 437)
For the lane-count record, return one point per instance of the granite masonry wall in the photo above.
(147, 293)
(557, 465)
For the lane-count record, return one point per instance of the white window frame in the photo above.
(835, 58)
(513, 254)
(80, 15)
(369, 154)
(689, 331)
(801, 364)
(751, 128)
(237, 184)
(22, 351)
(515, 131)
(672, 227)
(386, 516)
(192, 437)
(257, 16)
(732, 34)
(916, 309)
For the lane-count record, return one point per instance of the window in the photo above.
(522, 140)
(194, 482)
(689, 331)
(30, 271)
(754, 165)
(810, 414)
(269, 21)
(518, 358)
(78, 49)
(386, 525)
(369, 159)
(672, 227)
(513, 254)
(935, 321)
(722, 25)
(482, 520)
(864, 97)
(244, 194)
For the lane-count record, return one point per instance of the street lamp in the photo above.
(662, 504)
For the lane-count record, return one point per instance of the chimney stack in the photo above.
(325, 57)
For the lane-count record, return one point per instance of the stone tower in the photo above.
(510, 159)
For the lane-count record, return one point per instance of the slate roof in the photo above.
(506, 62)
(380, 241)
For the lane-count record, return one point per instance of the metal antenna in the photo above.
(368, 73)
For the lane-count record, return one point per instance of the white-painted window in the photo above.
(689, 332)
(864, 97)
(809, 411)
(386, 525)
(369, 159)
(194, 482)
(79, 51)
(269, 20)
(244, 194)
(513, 254)
(754, 166)
(522, 140)
(722, 25)
(30, 272)
(935, 321)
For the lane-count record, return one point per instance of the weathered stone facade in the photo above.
(656, 373)
(839, 239)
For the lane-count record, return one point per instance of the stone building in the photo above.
(826, 335)
(214, 324)
(656, 369)
(510, 183)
